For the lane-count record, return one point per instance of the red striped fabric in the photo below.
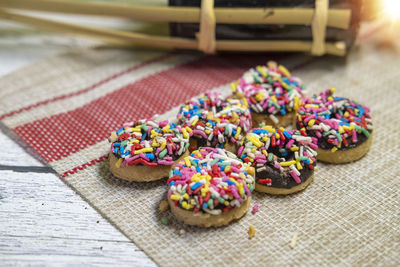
(87, 89)
(60, 135)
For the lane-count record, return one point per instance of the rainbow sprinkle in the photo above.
(210, 180)
(270, 90)
(215, 120)
(147, 143)
(337, 122)
(270, 150)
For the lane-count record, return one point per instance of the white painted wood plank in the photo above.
(12, 154)
(42, 221)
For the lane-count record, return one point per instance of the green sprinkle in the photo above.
(187, 146)
(338, 137)
(210, 202)
(221, 200)
(162, 153)
(164, 221)
(365, 132)
(270, 157)
(226, 129)
(171, 173)
(214, 161)
(303, 158)
(144, 127)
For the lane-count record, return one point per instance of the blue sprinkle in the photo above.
(230, 182)
(196, 185)
(287, 134)
(222, 168)
(283, 111)
(144, 136)
(260, 131)
(284, 154)
(117, 144)
(115, 150)
(307, 161)
(121, 149)
(176, 172)
(120, 130)
(150, 156)
(172, 183)
(205, 205)
(198, 169)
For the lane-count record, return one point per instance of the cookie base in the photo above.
(141, 173)
(206, 219)
(344, 156)
(284, 120)
(283, 191)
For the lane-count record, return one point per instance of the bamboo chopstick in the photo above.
(337, 18)
(163, 42)
(108, 35)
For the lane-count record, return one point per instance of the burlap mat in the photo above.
(65, 107)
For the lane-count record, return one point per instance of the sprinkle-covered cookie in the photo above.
(284, 160)
(147, 143)
(210, 187)
(215, 121)
(340, 124)
(272, 93)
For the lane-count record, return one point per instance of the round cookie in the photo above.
(284, 160)
(215, 121)
(211, 187)
(272, 93)
(145, 151)
(342, 126)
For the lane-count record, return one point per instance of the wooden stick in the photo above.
(113, 36)
(128, 38)
(337, 18)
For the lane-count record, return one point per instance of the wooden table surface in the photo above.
(42, 220)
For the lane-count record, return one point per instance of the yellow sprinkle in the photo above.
(287, 163)
(186, 196)
(333, 90)
(252, 232)
(274, 98)
(163, 145)
(277, 136)
(297, 103)
(136, 129)
(334, 149)
(285, 85)
(298, 165)
(226, 203)
(185, 133)
(175, 197)
(311, 122)
(166, 129)
(188, 129)
(118, 163)
(187, 162)
(238, 130)
(346, 114)
(341, 130)
(284, 71)
(227, 168)
(269, 128)
(259, 96)
(330, 98)
(144, 150)
(254, 140)
(155, 144)
(265, 152)
(233, 87)
(207, 131)
(260, 69)
(294, 148)
(198, 154)
(241, 190)
(195, 121)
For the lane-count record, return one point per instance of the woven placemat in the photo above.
(65, 107)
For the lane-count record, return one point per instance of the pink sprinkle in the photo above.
(277, 165)
(255, 209)
(240, 150)
(295, 176)
(198, 132)
(164, 162)
(289, 144)
(163, 123)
